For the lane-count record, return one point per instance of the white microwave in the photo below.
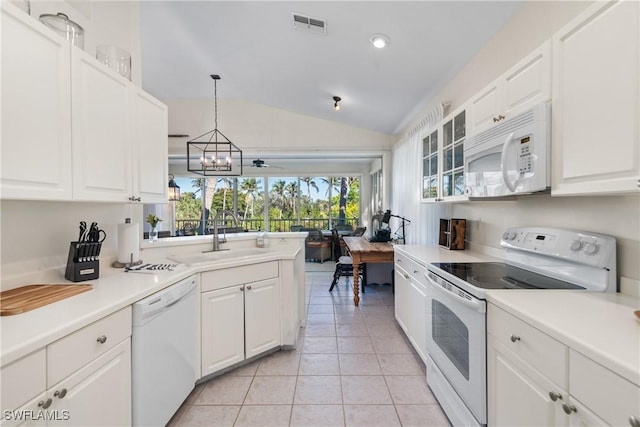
(512, 157)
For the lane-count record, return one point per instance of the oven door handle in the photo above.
(503, 165)
(474, 304)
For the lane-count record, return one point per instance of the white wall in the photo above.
(262, 129)
(618, 216)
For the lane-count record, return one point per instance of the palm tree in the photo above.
(345, 182)
(308, 180)
(250, 188)
(227, 183)
(291, 190)
(278, 190)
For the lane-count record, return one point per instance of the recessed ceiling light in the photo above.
(379, 40)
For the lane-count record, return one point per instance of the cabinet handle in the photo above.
(135, 199)
(406, 276)
(248, 288)
(634, 422)
(241, 288)
(515, 338)
(60, 394)
(44, 403)
(415, 271)
(568, 409)
(555, 396)
(102, 339)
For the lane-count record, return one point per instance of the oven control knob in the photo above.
(591, 248)
(576, 245)
(508, 235)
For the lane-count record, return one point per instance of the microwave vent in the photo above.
(505, 128)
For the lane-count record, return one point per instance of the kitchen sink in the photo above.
(222, 255)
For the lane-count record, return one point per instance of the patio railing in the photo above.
(189, 227)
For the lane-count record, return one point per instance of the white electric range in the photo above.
(535, 258)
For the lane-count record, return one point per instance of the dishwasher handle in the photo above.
(151, 306)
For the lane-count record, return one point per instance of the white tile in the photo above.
(355, 345)
(317, 390)
(366, 390)
(320, 345)
(317, 416)
(276, 390)
(407, 390)
(319, 364)
(283, 362)
(359, 364)
(263, 416)
(422, 416)
(401, 364)
(370, 416)
(210, 416)
(224, 390)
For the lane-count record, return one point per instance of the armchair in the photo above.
(317, 247)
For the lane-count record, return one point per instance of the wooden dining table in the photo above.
(363, 251)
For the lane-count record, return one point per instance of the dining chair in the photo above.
(344, 265)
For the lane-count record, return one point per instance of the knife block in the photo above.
(82, 262)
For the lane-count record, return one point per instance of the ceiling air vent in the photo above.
(306, 23)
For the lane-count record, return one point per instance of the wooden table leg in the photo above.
(356, 293)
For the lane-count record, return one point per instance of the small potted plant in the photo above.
(153, 221)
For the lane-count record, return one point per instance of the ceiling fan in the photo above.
(259, 163)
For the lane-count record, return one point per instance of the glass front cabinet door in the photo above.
(443, 159)
(453, 135)
(430, 173)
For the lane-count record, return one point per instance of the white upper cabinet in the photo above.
(596, 102)
(102, 139)
(151, 145)
(524, 85)
(72, 128)
(36, 110)
(443, 159)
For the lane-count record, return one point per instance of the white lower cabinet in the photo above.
(87, 375)
(241, 314)
(418, 318)
(402, 283)
(99, 394)
(518, 394)
(410, 299)
(222, 328)
(262, 317)
(535, 380)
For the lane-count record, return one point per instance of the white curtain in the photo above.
(406, 185)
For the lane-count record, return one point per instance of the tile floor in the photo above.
(353, 366)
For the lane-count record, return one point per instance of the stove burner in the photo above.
(497, 275)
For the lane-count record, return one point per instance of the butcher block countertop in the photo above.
(30, 297)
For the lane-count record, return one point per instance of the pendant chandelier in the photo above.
(212, 154)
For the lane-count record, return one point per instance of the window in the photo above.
(263, 203)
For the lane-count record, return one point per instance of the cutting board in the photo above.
(26, 298)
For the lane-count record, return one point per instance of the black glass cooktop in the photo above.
(497, 275)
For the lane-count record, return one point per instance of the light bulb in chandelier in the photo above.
(336, 99)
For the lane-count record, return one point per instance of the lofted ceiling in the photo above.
(254, 47)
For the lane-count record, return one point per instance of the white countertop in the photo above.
(425, 255)
(26, 332)
(600, 326)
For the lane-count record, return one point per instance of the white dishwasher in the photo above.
(163, 351)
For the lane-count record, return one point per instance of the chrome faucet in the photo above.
(220, 215)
